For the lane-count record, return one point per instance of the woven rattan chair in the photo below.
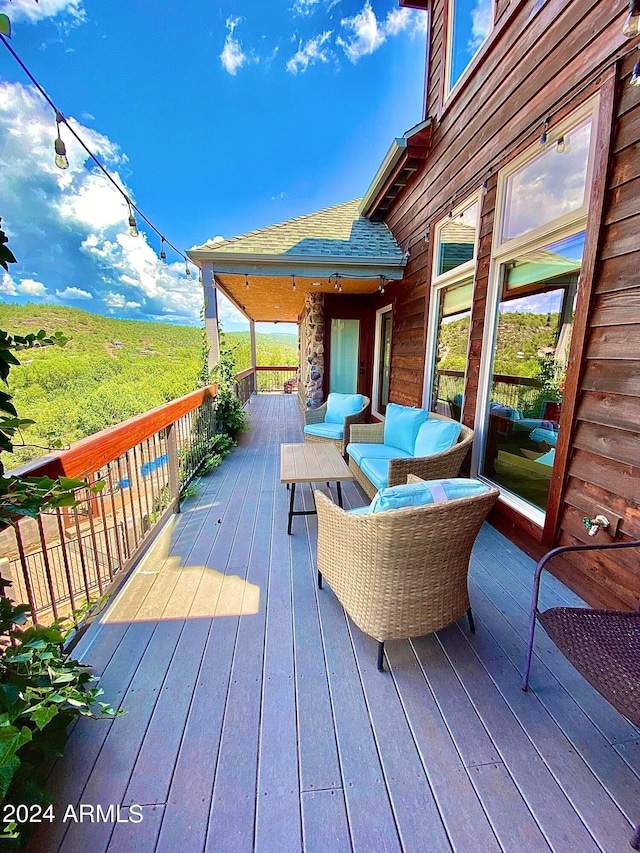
(401, 573)
(603, 645)
(436, 467)
(317, 416)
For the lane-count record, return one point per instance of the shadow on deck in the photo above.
(256, 718)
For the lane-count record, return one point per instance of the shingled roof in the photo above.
(336, 232)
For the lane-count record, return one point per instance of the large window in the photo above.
(454, 261)
(541, 209)
(470, 23)
(382, 360)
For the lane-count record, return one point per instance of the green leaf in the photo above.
(5, 26)
(44, 715)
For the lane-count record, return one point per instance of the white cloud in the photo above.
(232, 56)
(7, 285)
(480, 24)
(364, 33)
(312, 52)
(73, 293)
(68, 229)
(32, 288)
(28, 10)
(304, 7)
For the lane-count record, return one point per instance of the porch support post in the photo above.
(254, 356)
(211, 314)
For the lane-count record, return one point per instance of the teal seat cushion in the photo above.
(548, 458)
(435, 436)
(325, 430)
(340, 406)
(426, 492)
(358, 452)
(401, 425)
(359, 510)
(377, 470)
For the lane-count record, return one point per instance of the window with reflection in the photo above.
(535, 317)
(453, 313)
(470, 23)
(456, 239)
(549, 186)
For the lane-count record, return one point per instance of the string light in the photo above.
(187, 272)
(631, 26)
(485, 183)
(133, 225)
(561, 146)
(544, 135)
(163, 254)
(62, 162)
(427, 234)
(293, 282)
(246, 281)
(59, 146)
(381, 285)
(450, 214)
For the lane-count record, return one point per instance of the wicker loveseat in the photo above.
(351, 409)
(444, 464)
(403, 572)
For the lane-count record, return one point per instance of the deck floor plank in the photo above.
(257, 721)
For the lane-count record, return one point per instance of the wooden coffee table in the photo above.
(311, 462)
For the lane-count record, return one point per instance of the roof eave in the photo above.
(238, 263)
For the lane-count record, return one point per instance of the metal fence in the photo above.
(65, 558)
(266, 380)
(517, 392)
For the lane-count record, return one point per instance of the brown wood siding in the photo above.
(541, 62)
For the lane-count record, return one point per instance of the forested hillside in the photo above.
(110, 370)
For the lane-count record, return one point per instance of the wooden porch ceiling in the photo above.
(271, 298)
(257, 722)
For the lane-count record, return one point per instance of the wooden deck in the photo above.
(256, 718)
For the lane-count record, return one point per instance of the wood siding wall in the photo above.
(542, 59)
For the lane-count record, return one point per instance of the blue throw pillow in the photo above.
(401, 425)
(435, 436)
(340, 406)
(425, 492)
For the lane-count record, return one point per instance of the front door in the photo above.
(343, 369)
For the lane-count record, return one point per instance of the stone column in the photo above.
(312, 341)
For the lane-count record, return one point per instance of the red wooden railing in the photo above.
(67, 557)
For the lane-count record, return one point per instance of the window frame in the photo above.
(449, 90)
(375, 386)
(503, 252)
(458, 275)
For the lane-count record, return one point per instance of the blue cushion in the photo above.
(325, 430)
(401, 425)
(435, 436)
(548, 458)
(505, 412)
(427, 492)
(550, 436)
(377, 470)
(359, 510)
(358, 452)
(340, 406)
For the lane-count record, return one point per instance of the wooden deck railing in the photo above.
(518, 392)
(263, 379)
(65, 558)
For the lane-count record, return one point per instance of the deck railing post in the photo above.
(174, 476)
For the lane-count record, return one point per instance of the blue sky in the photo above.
(218, 119)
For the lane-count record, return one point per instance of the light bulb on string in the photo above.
(485, 184)
(187, 272)
(544, 135)
(246, 281)
(163, 254)
(133, 225)
(561, 145)
(631, 26)
(450, 214)
(427, 234)
(60, 148)
(293, 282)
(381, 285)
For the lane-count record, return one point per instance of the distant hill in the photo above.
(110, 370)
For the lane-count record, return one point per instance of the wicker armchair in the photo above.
(401, 573)
(317, 416)
(437, 467)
